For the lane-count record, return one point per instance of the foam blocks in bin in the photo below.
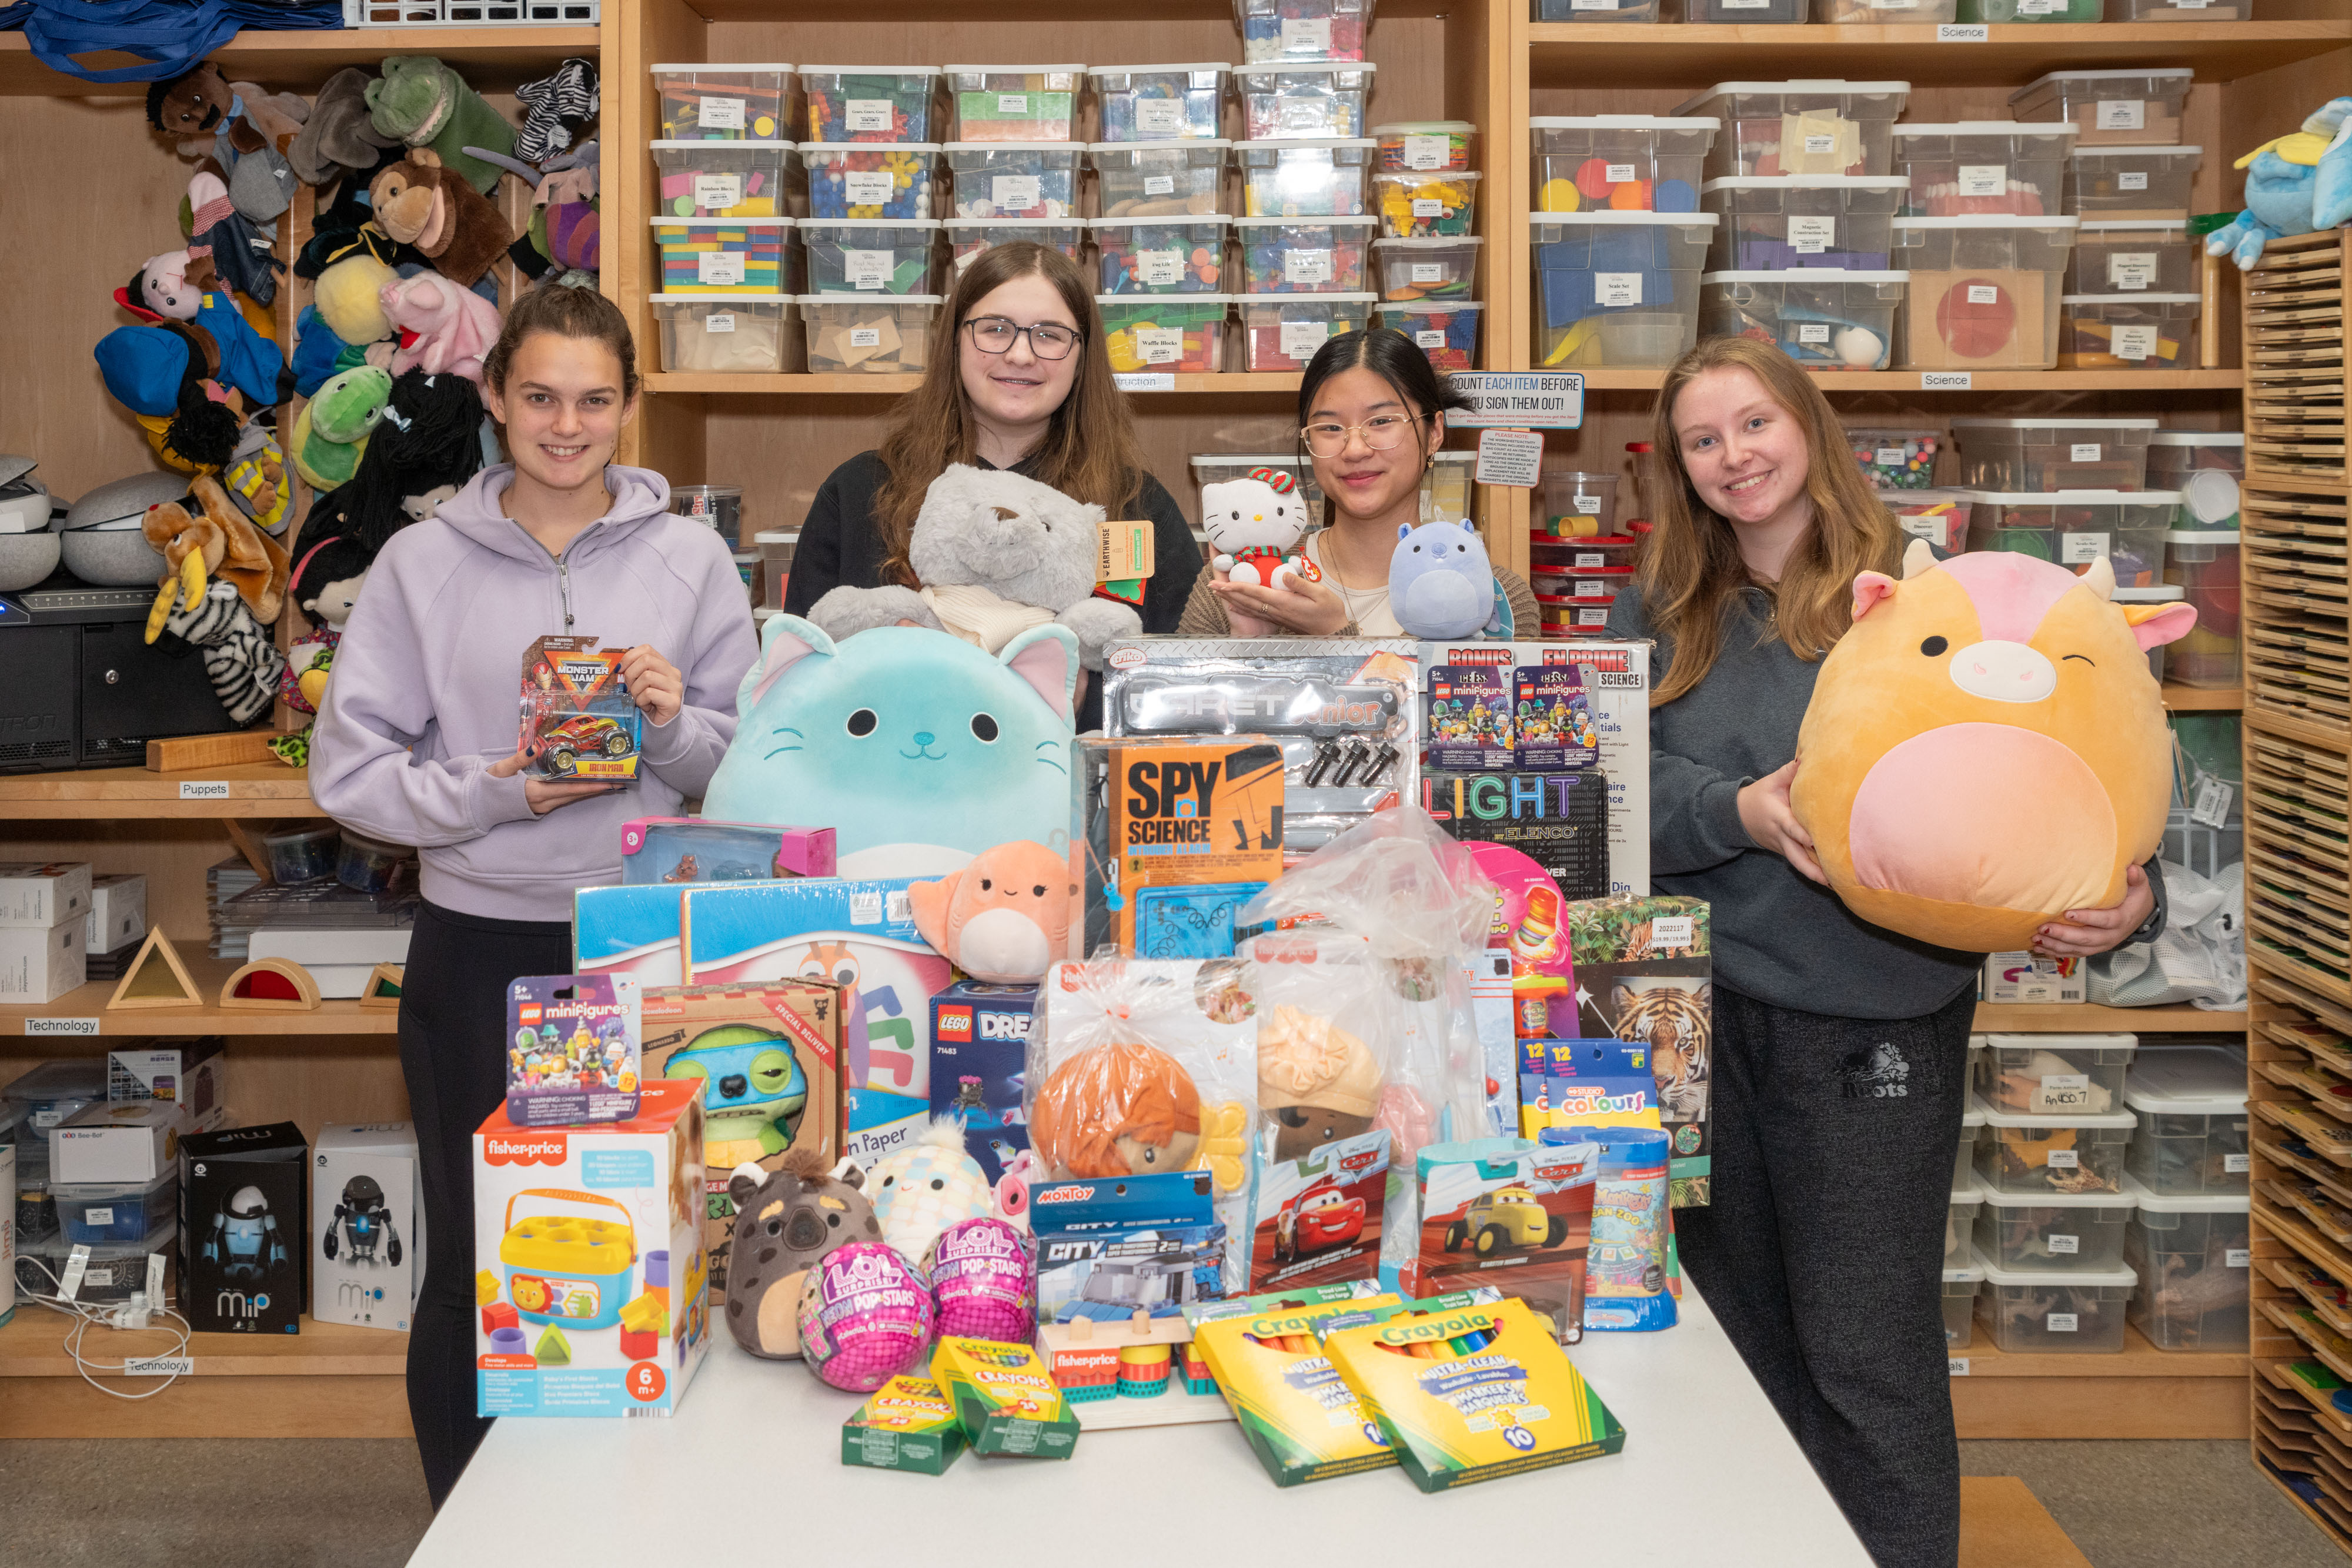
(722, 255)
(1444, 330)
(1617, 287)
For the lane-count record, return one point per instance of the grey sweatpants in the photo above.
(1821, 1254)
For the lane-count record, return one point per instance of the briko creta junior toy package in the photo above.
(578, 721)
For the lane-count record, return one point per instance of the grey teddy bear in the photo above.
(997, 554)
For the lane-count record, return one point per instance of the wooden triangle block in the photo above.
(270, 986)
(382, 988)
(156, 977)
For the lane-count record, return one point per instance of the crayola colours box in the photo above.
(907, 1424)
(1471, 1393)
(1004, 1398)
(1302, 1419)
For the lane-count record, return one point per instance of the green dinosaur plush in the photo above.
(425, 104)
(332, 429)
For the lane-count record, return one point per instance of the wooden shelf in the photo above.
(1630, 377)
(2089, 1018)
(2199, 699)
(256, 789)
(837, 386)
(1624, 54)
(2138, 1392)
(491, 58)
(89, 1002)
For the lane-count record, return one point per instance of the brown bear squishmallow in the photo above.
(784, 1222)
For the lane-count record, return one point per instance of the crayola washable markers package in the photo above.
(1301, 1417)
(573, 1049)
(907, 1424)
(1472, 1393)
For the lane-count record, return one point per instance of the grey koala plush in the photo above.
(997, 554)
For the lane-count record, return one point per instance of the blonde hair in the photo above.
(1692, 568)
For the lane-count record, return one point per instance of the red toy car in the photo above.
(1317, 1219)
(586, 732)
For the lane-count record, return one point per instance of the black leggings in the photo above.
(453, 1054)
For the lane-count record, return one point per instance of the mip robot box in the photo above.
(243, 1245)
(367, 1217)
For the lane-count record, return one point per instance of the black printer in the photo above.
(83, 688)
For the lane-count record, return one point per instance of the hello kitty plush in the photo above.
(1254, 524)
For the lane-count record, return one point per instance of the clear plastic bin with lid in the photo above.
(730, 102)
(2078, 1312)
(1617, 287)
(871, 103)
(1596, 10)
(1426, 206)
(967, 237)
(1897, 456)
(2133, 255)
(1424, 146)
(1283, 332)
(2191, 1105)
(2007, 11)
(2128, 331)
(1014, 179)
(1960, 1224)
(1159, 179)
(1825, 319)
(1805, 127)
(1972, 168)
(2131, 182)
(1624, 162)
(1161, 255)
(1984, 292)
(723, 179)
(1171, 333)
(93, 1212)
(1579, 506)
(1444, 330)
(2204, 564)
(869, 334)
(1290, 98)
(1302, 29)
(724, 255)
(2052, 452)
(1318, 177)
(1743, 12)
(1804, 220)
(2161, 593)
(1013, 103)
(2047, 1232)
(2194, 1257)
(1960, 1287)
(53, 1091)
(870, 179)
(1438, 267)
(2052, 1074)
(2039, 1156)
(1160, 103)
(2076, 527)
(855, 256)
(701, 334)
(2139, 106)
(1939, 517)
(1305, 255)
(114, 1271)
(1906, 13)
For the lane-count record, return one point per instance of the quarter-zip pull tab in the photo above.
(563, 581)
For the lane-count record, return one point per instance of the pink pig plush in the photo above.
(442, 328)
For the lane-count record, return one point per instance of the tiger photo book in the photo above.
(1644, 973)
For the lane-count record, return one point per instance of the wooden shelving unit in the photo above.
(253, 789)
(2139, 1392)
(2089, 1018)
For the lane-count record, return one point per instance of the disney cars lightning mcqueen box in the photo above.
(577, 712)
(1318, 1216)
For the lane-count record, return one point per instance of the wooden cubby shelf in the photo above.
(330, 1017)
(2138, 1392)
(491, 57)
(2089, 1018)
(255, 789)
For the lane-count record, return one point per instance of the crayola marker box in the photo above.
(1472, 1393)
(1004, 1398)
(1300, 1416)
(907, 1424)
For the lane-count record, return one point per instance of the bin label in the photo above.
(1159, 116)
(2064, 1160)
(1428, 151)
(1306, 36)
(2056, 1322)
(867, 114)
(869, 268)
(719, 321)
(1616, 289)
(1309, 266)
(2065, 1246)
(1159, 268)
(1016, 193)
(2237, 1257)
(722, 114)
(2133, 342)
(718, 267)
(2132, 180)
(2131, 269)
(2122, 114)
(1984, 179)
(714, 193)
(1811, 235)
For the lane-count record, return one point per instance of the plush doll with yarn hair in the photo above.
(1118, 1109)
(442, 326)
(164, 375)
(425, 445)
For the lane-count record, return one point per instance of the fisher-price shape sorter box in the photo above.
(590, 1282)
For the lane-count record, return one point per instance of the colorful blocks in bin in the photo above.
(1426, 146)
(723, 102)
(721, 179)
(1444, 330)
(869, 103)
(1161, 255)
(1177, 332)
(1304, 256)
(722, 255)
(1013, 103)
(870, 179)
(1426, 206)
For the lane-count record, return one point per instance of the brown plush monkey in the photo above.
(417, 201)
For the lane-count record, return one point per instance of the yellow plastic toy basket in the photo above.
(561, 1268)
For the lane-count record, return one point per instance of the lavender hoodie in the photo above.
(428, 687)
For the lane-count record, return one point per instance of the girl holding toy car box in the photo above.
(417, 745)
(1840, 1049)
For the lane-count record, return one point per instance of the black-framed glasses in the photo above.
(1381, 433)
(1047, 339)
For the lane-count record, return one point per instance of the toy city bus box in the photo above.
(1472, 1393)
(767, 1056)
(578, 719)
(860, 935)
(1506, 1212)
(590, 1285)
(573, 1049)
(367, 1215)
(1645, 974)
(1318, 1216)
(1004, 1399)
(1180, 833)
(1616, 677)
(907, 1424)
(655, 850)
(244, 1250)
(1111, 1247)
(1301, 1418)
(980, 1063)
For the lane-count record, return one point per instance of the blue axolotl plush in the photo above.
(2295, 184)
(1440, 584)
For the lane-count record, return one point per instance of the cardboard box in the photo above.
(907, 1424)
(1301, 1418)
(186, 1073)
(1557, 820)
(1317, 1217)
(588, 1254)
(40, 965)
(573, 1049)
(1109, 1249)
(244, 1251)
(979, 1060)
(40, 895)
(630, 931)
(117, 913)
(1003, 1398)
(8, 1231)
(678, 849)
(1507, 1212)
(367, 1209)
(2011, 978)
(124, 1141)
(1180, 834)
(767, 1057)
(339, 961)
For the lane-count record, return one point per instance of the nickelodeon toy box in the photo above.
(590, 1282)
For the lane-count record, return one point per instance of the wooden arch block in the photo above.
(270, 986)
(156, 977)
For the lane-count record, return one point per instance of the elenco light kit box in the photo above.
(589, 1285)
(118, 914)
(39, 965)
(367, 1220)
(187, 1073)
(2030, 978)
(1616, 686)
(243, 1233)
(980, 1058)
(118, 1141)
(35, 896)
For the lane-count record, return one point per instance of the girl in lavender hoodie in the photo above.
(416, 744)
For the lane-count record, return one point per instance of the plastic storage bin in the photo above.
(1303, 97)
(1423, 146)
(1161, 255)
(2051, 1231)
(2128, 331)
(723, 102)
(2195, 1256)
(1974, 167)
(35, 1211)
(890, 104)
(368, 866)
(1743, 11)
(1804, 220)
(2184, 10)
(725, 336)
(2133, 255)
(721, 179)
(1964, 1163)
(2131, 182)
(2161, 593)
(2052, 452)
(2076, 527)
(1807, 127)
(1579, 505)
(1824, 317)
(2136, 108)
(2052, 1074)
(1160, 103)
(2033, 1312)
(1013, 103)
(1960, 1286)
(1596, 10)
(1606, 552)
(1617, 287)
(1939, 517)
(2040, 1156)
(851, 256)
(1305, 255)
(723, 256)
(1177, 332)
(2205, 466)
(967, 237)
(115, 1271)
(1959, 1225)
(1895, 457)
(1282, 332)
(777, 546)
(1014, 179)
(1159, 179)
(1912, 12)
(93, 1212)
(1219, 467)
(300, 854)
(1436, 268)
(2028, 10)
(870, 181)
(1444, 330)
(869, 334)
(1426, 206)
(1984, 291)
(1302, 29)
(1622, 162)
(2204, 563)
(2191, 1137)
(53, 1091)
(1311, 179)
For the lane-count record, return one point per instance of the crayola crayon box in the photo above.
(1301, 1417)
(907, 1424)
(1004, 1399)
(1471, 1393)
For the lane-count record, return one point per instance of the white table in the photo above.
(753, 1458)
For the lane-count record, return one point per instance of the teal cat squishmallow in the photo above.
(919, 750)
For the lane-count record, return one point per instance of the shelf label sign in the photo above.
(160, 1366)
(204, 789)
(1144, 381)
(1962, 33)
(1512, 457)
(1519, 400)
(1959, 1365)
(53, 1027)
(1944, 381)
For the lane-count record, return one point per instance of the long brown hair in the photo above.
(569, 312)
(1089, 452)
(1692, 568)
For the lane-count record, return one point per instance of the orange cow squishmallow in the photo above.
(1004, 918)
(1985, 748)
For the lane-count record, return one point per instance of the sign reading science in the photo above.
(1519, 400)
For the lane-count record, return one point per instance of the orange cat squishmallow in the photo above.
(1002, 918)
(1985, 748)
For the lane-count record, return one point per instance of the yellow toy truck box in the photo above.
(1472, 1393)
(907, 1424)
(1302, 1419)
(1004, 1398)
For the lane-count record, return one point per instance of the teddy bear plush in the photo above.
(997, 554)
(419, 201)
(423, 103)
(786, 1223)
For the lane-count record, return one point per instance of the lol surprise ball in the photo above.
(1116, 1110)
(1441, 583)
(1254, 524)
(867, 1316)
(1317, 1081)
(985, 1279)
(925, 1185)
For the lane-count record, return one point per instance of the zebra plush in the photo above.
(242, 663)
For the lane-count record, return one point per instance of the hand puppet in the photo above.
(339, 139)
(2295, 184)
(420, 202)
(331, 432)
(423, 103)
(444, 327)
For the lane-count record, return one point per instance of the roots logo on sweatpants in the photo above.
(1875, 1072)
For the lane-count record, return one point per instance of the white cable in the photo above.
(86, 1315)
